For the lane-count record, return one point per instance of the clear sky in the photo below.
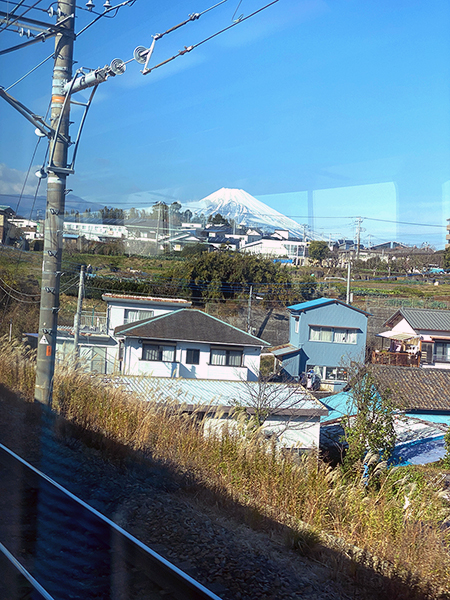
(326, 110)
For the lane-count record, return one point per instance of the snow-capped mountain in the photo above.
(246, 210)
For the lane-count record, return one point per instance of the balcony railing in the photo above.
(398, 359)
(95, 323)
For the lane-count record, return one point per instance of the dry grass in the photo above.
(397, 517)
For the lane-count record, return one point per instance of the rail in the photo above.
(64, 548)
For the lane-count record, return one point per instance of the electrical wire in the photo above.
(52, 55)
(17, 291)
(106, 14)
(190, 48)
(6, 25)
(18, 299)
(7, 2)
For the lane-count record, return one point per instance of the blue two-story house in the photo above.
(324, 335)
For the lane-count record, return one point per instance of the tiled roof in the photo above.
(189, 325)
(291, 400)
(423, 318)
(415, 388)
(321, 302)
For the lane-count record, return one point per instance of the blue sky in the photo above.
(325, 110)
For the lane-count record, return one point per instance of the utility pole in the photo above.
(358, 236)
(249, 311)
(77, 319)
(347, 299)
(54, 216)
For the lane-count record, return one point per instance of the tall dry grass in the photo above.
(397, 518)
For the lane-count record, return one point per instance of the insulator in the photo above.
(118, 67)
(139, 56)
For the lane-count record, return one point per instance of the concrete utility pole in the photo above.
(249, 310)
(358, 236)
(77, 319)
(347, 298)
(54, 216)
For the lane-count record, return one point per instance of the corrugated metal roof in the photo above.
(289, 399)
(311, 304)
(322, 302)
(423, 318)
(287, 349)
(397, 336)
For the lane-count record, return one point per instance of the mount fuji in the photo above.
(246, 210)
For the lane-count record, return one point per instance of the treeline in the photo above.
(216, 276)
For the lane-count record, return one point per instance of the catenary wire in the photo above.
(31, 71)
(6, 25)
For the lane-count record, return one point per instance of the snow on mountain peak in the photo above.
(245, 210)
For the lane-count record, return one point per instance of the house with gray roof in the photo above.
(421, 398)
(188, 343)
(417, 337)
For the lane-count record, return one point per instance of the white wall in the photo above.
(299, 432)
(134, 365)
(116, 310)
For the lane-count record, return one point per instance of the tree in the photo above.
(369, 424)
(226, 275)
(263, 399)
(318, 251)
(218, 219)
(447, 258)
(116, 214)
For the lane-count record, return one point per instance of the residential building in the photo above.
(125, 309)
(98, 346)
(422, 402)
(279, 245)
(294, 414)
(417, 337)
(324, 336)
(188, 343)
(95, 229)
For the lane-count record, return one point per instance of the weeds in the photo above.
(398, 519)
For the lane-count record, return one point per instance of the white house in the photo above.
(188, 343)
(294, 419)
(98, 347)
(95, 229)
(123, 309)
(279, 245)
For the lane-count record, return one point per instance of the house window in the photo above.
(427, 353)
(329, 373)
(442, 352)
(296, 326)
(224, 357)
(137, 315)
(158, 352)
(192, 356)
(337, 335)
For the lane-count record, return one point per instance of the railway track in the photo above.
(54, 546)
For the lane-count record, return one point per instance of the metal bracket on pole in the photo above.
(37, 121)
(52, 31)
